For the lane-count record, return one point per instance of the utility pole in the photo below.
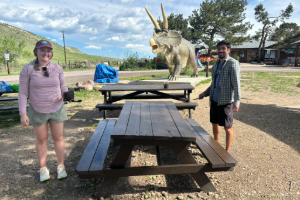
(64, 44)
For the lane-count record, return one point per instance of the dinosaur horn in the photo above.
(153, 20)
(165, 26)
(154, 34)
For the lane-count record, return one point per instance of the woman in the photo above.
(44, 82)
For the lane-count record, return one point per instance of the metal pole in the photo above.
(64, 45)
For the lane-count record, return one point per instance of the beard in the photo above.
(221, 55)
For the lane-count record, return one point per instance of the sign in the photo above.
(268, 51)
(6, 56)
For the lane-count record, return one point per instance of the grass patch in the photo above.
(138, 78)
(204, 82)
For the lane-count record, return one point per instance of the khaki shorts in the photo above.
(38, 119)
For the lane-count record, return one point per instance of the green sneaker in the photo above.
(61, 172)
(44, 174)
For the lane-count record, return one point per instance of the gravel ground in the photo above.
(266, 145)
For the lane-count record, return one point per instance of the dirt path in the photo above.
(266, 144)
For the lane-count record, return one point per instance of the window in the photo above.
(287, 51)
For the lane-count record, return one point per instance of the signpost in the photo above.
(6, 62)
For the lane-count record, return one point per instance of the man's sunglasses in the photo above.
(46, 73)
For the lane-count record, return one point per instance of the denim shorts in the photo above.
(38, 119)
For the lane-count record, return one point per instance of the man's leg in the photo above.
(229, 137)
(216, 131)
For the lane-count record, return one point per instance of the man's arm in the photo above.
(235, 83)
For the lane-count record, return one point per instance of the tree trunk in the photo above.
(8, 68)
(263, 48)
(260, 44)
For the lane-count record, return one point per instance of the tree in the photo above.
(8, 45)
(219, 19)
(284, 34)
(178, 23)
(261, 15)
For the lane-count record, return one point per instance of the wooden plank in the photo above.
(158, 126)
(133, 127)
(146, 96)
(102, 149)
(147, 142)
(229, 160)
(169, 124)
(119, 106)
(181, 124)
(8, 99)
(120, 128)
(89, 152)
(146, 88)
(197, 127)
(145, 124)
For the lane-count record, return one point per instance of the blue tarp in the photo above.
(105, 74)
(4, 86)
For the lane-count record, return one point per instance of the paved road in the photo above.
(76, 76)
(84, 75)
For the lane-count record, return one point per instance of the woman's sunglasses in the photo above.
(46, 73)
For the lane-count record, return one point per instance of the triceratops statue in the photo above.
(178, 51)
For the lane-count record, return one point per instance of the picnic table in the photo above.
(9, 99)
(152, 123)
(146, 92)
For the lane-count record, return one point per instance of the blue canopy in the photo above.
(105, 74)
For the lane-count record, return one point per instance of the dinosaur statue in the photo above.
(178, 51)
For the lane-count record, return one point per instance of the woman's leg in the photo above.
(41, 133)
(59, 144)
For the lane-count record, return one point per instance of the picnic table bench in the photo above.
(155, 124)
(146, 92)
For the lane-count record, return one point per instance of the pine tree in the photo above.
(222, 19)
(261, 15)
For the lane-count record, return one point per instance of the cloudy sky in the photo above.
(110, 27)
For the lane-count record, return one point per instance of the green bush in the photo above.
(186, 70)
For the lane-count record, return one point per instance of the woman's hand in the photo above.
(25, 120)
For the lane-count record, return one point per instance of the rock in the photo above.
(101, 198)
(165, 194)
(26, 162)
(6, 189)
(180, 197)
(190, 196)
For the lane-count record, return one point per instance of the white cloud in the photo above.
(93, 47)
(116, 38)
(92, 38)
(54, 40)
(126, 1)
(109, 50)
(130, 46)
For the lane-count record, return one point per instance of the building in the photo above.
(248, 51)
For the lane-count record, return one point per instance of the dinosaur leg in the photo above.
(176, 73)
(193, 64)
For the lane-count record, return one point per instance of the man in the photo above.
(224, 92)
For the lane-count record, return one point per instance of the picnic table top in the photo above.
(152, 120)
(145, 87)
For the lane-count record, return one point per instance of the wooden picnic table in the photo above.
(156, 92)
(153, 123)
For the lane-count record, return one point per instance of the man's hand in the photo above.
(235, 108)
(25, 120)
(201, 96)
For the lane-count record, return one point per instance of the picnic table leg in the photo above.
(189, 100)
(105, 100)
(186, 158)
(108, 184)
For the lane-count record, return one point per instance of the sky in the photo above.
(111, 27)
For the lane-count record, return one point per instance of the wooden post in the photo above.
(69, 64)
(207, 68)
(8, 68)
(76, 64)
(296, 56)
(58, 62)
(146, 65)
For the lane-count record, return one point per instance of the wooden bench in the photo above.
(179, 106)
(217, 156)
(93, 159)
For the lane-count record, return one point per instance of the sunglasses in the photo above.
(46, 73)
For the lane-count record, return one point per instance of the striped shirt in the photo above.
(229, 83)
(45, 93)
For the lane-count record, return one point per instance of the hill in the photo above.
(58, 50)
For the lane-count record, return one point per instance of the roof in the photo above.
(253, 44)
(296, 42)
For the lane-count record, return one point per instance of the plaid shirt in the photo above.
(229, 84)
